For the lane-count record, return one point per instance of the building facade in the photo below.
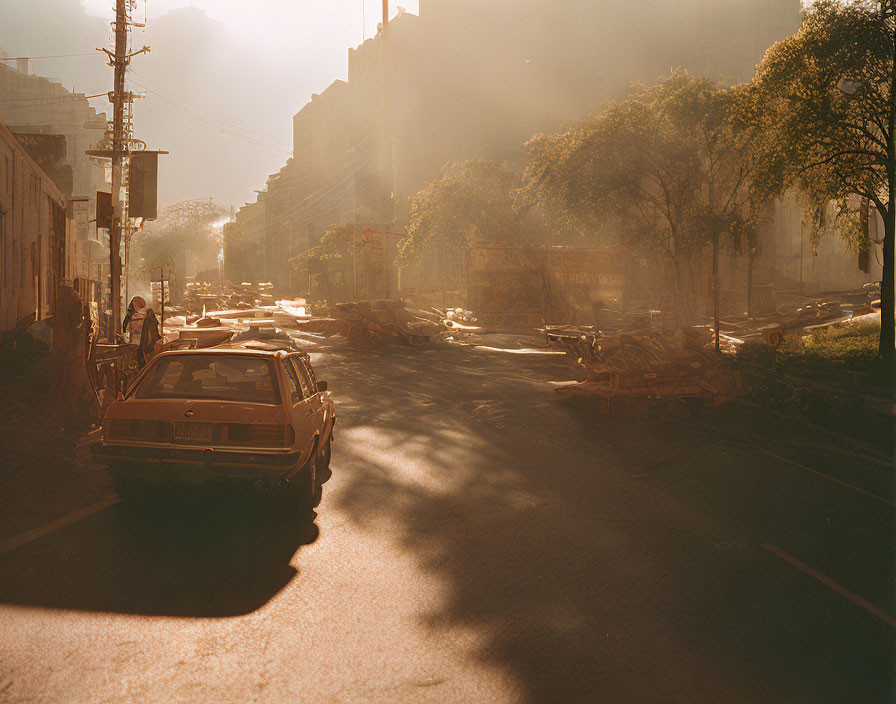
(33, 233)
(467, 79)
(39, 111)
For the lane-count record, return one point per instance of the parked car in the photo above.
(233, 416)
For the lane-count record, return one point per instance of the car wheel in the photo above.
(323, 467)
(303, 488)
(324, 463)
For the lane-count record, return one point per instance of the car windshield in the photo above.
(220, 377)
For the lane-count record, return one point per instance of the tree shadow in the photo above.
(597, 559)
(208, 556)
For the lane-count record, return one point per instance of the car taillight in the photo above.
(137, 429)
(257, 434)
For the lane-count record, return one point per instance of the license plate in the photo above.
(193, 431)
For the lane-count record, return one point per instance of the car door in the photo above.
(299, 401)
(309, 386)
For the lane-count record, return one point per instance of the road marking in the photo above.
(51, 527)
(741, 442)
(827, 581)
(859, 489)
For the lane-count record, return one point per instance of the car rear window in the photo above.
(219, 377)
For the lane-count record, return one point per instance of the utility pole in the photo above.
(119, 61)
(388, 166)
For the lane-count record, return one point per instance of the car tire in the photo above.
(324, 463)
(303, 489)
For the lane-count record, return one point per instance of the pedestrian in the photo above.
(141, 328)
(150, 334)
(133, 321)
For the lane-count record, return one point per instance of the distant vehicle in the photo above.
(229, 416)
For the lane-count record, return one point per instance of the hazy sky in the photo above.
(260, 66)
(289, 21)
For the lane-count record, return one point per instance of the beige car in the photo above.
(230, 416)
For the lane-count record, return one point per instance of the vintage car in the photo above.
(221, 416)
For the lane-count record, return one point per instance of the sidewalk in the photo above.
(43, 475)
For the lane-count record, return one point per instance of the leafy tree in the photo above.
(470, 202)
(676, 166)
(335, 244)
(742, 171)
(636, 164)
(189, 225)
(831, 88)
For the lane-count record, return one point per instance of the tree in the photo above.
(831, 89)
(676, 166)
(193, 225)
(742, 172)
(470, 202)
(335, 244)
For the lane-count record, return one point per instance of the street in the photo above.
(482, 540)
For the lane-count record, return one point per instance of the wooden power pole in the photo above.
(119, 61)
(388, 165)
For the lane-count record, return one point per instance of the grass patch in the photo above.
(843, 356)
(841, 367)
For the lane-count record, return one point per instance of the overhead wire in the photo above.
(178, 100)
(54, 56)
(185, 113)
(211, 125)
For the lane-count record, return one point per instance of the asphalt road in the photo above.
(481, 540)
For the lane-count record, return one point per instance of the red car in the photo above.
(236, 416)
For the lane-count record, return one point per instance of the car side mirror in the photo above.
(322, 386)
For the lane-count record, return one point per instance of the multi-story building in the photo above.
(33, 228)
(467, 79)
(34, 107)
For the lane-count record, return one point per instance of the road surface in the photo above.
(481, 540)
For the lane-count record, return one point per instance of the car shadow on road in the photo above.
(207, 556)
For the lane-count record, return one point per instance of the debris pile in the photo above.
(629, 371)
(376, 321)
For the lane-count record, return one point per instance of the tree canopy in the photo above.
(831, 88)
(473, 201)
(336, 243)
(188, 225)
(674, 167)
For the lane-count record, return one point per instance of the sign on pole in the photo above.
(104, 210)
(143, 175)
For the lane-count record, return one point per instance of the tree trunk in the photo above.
(715, 287)
(887, 313)
(679, 302)
(887, 322)
(751, 261)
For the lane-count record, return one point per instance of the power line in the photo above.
(55, 56)
(199, 116)
(179, 101)
(211, 125)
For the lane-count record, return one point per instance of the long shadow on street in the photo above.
(606, 560)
